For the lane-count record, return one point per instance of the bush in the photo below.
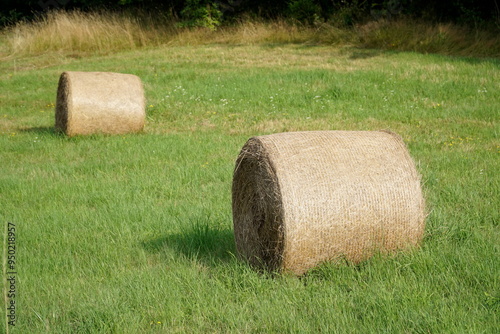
(305, 11)
(348, 14)
(199, 13)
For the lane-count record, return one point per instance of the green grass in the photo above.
(133, 233)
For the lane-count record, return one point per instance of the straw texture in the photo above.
(303, 198)
(99, 102)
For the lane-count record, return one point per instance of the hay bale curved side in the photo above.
(303, 198)
(99, 102)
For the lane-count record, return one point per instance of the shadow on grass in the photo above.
(199, 241)
(43, 130)
(364, 54)
(360, 52)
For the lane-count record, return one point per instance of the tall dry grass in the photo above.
(411, 35)
(70, 32)
(280, 31)
(83, 33)
(77, 32)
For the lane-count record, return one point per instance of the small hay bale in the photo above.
(99, 102)
(303, 198)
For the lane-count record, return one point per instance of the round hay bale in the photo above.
(303, 198)
(99, 102)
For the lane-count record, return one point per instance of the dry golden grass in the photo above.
(449, 39)
(77, 33)
(250, 32)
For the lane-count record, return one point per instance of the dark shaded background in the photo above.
(466, 12)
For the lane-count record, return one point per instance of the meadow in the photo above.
(133, 233)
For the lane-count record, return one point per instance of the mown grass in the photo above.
(133, 233)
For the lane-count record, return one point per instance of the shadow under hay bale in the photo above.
(303, 198)
(198, 241)
(99, 102)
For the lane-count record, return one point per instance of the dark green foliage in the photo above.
(347, 12)
(306, 11)
(201, 13)
(10, 17)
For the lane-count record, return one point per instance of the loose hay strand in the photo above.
(302, 198)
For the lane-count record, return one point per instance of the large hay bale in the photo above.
(303, 198)
(99, 102)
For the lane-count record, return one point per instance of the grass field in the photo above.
(133, 233)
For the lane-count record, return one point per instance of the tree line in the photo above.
(347, 12)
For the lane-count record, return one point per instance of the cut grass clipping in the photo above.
(303, 198)
(99, 102)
